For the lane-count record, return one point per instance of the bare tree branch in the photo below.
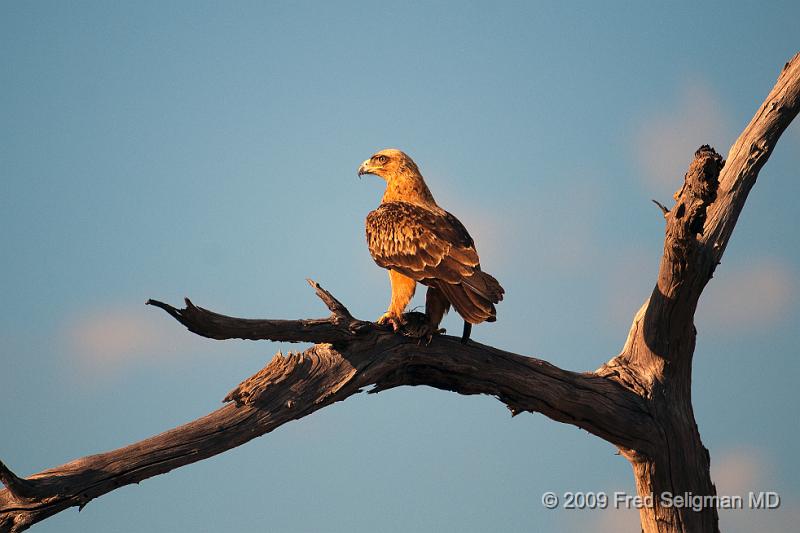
(656, 360)
(640, 400)
(215, 326)
(298, 384)
(749, 154)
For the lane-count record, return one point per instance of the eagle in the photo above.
(419, 242)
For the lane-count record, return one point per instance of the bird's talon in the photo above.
(395, 321)
(409, 219)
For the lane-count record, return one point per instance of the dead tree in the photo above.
(640, 400)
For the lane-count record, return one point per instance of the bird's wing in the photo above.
(421, 244)
(434, 249)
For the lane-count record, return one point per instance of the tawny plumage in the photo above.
(418, 241)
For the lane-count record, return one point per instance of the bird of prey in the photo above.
(418, 241)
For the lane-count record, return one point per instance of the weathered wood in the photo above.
(296, 385)
(215, 326)
(640, 400)
(656, 360)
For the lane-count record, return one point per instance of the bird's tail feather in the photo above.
(485, 285)
(473, 307)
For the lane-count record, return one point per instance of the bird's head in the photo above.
(388, 164)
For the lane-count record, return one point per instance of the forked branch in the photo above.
(640, 401)
(351, 356)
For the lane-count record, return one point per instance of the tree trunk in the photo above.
(639, 401)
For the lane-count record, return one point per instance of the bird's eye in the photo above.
(382, 159)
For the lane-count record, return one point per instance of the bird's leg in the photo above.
(436, 305)
(403, 289)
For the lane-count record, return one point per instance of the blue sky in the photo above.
(162, 150)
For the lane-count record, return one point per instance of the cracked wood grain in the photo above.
(640, 400)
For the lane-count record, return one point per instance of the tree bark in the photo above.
(656, 360)
(639, 401)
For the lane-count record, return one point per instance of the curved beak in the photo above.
(364, 168)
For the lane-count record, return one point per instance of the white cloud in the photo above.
(735, 472)
(739, 471)
(106, 339)
(489, 230)
(610, 521)
(630, 284)
(747, 297)
(667, 139)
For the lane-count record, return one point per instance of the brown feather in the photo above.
(470, 310)
(485, 285)
(431, 246)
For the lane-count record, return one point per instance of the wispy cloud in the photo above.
(630, 285)
(738, 472)
(667, 138)
(609, 521)
(518, 232)
(735, 472)
(489, 231)
(747, 297)
(106, 339)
